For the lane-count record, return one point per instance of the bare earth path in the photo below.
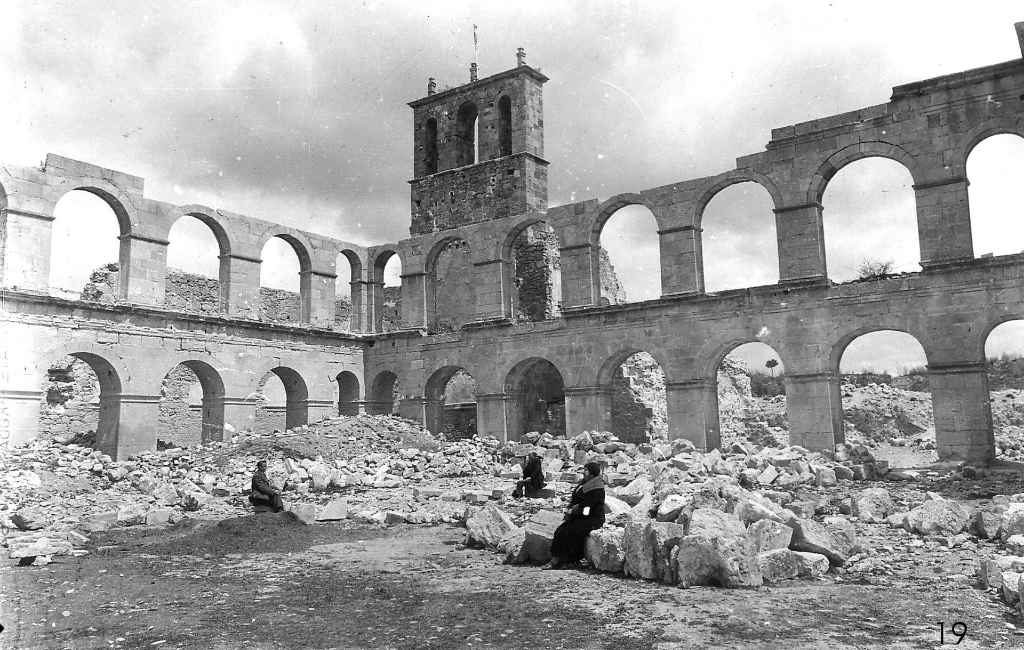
(276, 584)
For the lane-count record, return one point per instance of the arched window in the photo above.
(629, 257)
(430, 146)
(738, 239)
(994, 169)
(284, 296)
(85, 250)
(194, 267)
(467, 134)
(505, 126)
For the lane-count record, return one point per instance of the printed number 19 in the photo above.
(957, 629)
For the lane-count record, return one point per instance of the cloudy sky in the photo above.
(296, 111)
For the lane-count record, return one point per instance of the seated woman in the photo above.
(533, 477)
(585, 513)
(263, 496)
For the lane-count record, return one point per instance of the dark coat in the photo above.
(261, 484)
(571, 537)
(533, 473)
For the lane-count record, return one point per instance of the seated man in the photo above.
(264, 496)
(533, 477)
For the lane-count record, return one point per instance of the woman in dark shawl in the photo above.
(585, 513)
(533, 477)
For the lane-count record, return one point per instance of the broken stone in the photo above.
(699, 560)
(158, 517)
(985, 523)
(513, 545)
(605, 549)
(938, 518)
(1012, 522)
(825, 477)
(714, 523)
(41, 546)
(487, 526)
(540, 530)
(671, 507)
(648, 549)
(393, 517)
(131, 515)
(813, 537)
(333, 511)
(767, 535)
(100, 522)
(873, 505)
(635, 490)
(1010, 588)
(614, 506)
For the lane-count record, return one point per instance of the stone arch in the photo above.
(210, 219)
(536, 394)
(635, 395)
(719, 350)
(844, 340)
(843, 157)
(504, 126)
(441, 417)
(302, 250)
(732, 382)
(612, 205)
(450, 290)
(114, 197)
(348, 393)
(114, 287)
(983, 131)
(734, 178)
(383, 393)
(212, 409)
(378, 261)
(992, 169)
(466, 137)
(296, 394)
(109, 372)
(526, 299)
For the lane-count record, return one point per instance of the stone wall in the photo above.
(70, 406)
(198, 294)
(639, 405)
(454, 291)
(181, 415)
(612, 292)
(538, 274)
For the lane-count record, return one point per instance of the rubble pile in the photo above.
(55, 494)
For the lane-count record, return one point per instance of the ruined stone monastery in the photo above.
(497, 284)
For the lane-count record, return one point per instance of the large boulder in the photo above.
(714, 523)
(671, 507)
(1012, 521)
(724, 562)
(648, 549)
(754, 507)
(813, 537)
(539, 531)
(784, 564)
(41, 546)
(615, 506)
(937, 517)
(606, 549)
(873, 505)
(767, 535)
(333, 511)
(487, 526)
(304, 512)
(642, 510)
(513, 546)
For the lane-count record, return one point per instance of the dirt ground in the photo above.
(270, 582)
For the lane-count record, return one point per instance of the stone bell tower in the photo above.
(478, 151)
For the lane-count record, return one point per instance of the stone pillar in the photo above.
(26, 248)
(963, 417)
(491, 301)
(491, 415)
(414, 300)
(239, 413)
(692, 410)
(374, 306)
(213, 419)
(801, 243)
(578, 284)
(682, 261)
(136, 424)
(814, 408)
(19, 415)
(143, 262)
(318, 409)
(321, 289)
(433, 415)
(296, 413)
(587, 408)
(361, 297)
(243, 293)
(943, 221)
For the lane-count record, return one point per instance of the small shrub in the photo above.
(874, 269)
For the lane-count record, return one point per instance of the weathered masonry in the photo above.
(479, 187)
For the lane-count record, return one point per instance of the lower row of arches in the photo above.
(82, 395)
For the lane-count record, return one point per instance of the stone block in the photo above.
(540, 530)
(333, 511)
(158, 517)
(648, 549)
(872, 505)
(767, 535)
(487, 526)
(304, 512)
(605, 549)
(813, 537)
(714, 523)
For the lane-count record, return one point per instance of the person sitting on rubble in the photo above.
(584, 514)
(533, 477)
(263, 494)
